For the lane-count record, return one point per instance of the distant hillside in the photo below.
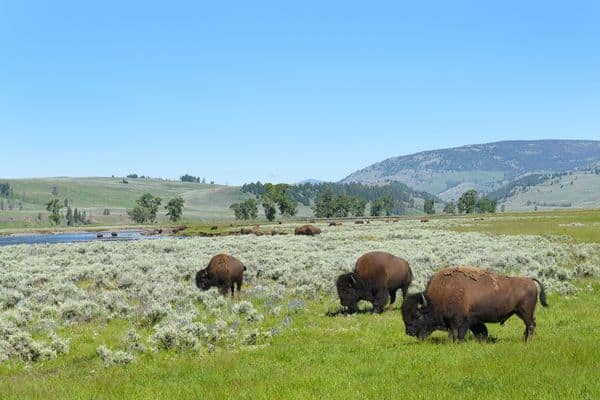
(572, 189)
(94, 195)
(484, 167)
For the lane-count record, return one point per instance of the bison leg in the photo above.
(525, 312)
(458, 330)
(529, 321)
(381, 298)
(392, 296)
(479, 331)
(224, 289)
(404, 291)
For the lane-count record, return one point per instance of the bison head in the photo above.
(203, 280)
(351, 289)
(418, 315)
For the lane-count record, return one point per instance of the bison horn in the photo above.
(424, 300)
(353, 278)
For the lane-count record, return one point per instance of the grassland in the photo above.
(362, 356)
(577, 225)
(579, 189)
(203, 202)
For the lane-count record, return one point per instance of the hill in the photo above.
(95, 194)
(484, 167)
(572, 189)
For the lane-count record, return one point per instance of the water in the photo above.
(72, 237)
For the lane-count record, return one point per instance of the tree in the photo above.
(53, 207)
(276, 196)
(145, 209)
(467, 202)
(382, 205)
(245, 210)
(428, 206)
(323, 205)
(175, 208)
(450, 208)
(69, 217)
(269, 207)
(357, 206)
(485, 205)
(5, 190)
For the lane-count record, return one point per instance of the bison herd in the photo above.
(455, 300)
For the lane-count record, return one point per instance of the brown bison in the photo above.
(376, 275)
(307, 230)
(459, 299)
(223, 271)
(359, 222)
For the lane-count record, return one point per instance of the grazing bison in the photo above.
(307, 230)
(223, 271)
(459, 299)
(376, 275)
(359, 222)
(424, 219)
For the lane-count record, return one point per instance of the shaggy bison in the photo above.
(307, 230)
(223, 271)
(376, 275)
(459, 299)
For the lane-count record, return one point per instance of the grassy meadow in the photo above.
(203, 202)
(296, 349)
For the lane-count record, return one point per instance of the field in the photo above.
(126, 319)
(203, 202)
(578, 189)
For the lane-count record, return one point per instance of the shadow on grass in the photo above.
(345, 311)
(443, 340)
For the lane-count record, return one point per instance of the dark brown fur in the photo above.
(376, 276)
(223, 271)
(459, 299)
(310, 230)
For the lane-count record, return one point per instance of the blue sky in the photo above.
(282, 91)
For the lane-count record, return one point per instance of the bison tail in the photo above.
(542, 293)
(244, 267)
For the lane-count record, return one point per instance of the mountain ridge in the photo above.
(484, 167)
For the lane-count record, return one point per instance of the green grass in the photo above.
(357, 357)
(579, 190)
(580, 225)
(203, 202)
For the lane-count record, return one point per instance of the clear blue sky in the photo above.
(242, 91)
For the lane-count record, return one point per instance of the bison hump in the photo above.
(220, 263)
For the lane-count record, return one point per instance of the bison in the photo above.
(458, 299)
(307, 230)
(223, 271)
(376, 276)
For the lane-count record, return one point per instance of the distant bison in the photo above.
(424, 219)
(246, 231)
(310, 230)
(99, 235)
(223, 271)
(459, 299)
(114, 234)
(376, 275)
(359, 222)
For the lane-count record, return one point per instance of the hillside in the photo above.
(573, 189)
(93, 195)
(484, 167)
